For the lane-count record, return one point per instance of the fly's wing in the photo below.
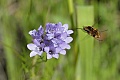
(102, 35)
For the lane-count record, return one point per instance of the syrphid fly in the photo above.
(93, 32)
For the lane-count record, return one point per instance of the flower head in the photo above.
(54, 40)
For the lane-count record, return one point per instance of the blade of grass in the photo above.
(11, 60)
(85, 15)
(9, 44)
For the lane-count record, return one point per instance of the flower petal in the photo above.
(46, 49)
(64, 35)
(64, 46)
(65, 27)
(50, 36)
(68, 47)
(40, 27)
(49, 56)
(63, 52)
(35, 41)
(56, 56)
(40, 53)
(33, 53)
(31, 46)
(58, 49)
(69, 31)
(68, 39)
(32, 32)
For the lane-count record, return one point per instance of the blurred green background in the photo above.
(88, 58)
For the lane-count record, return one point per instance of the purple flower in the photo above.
(35, 50)
(54, 40)
(37, 34)
(51, 52)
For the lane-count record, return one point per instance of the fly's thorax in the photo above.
(88, 29)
